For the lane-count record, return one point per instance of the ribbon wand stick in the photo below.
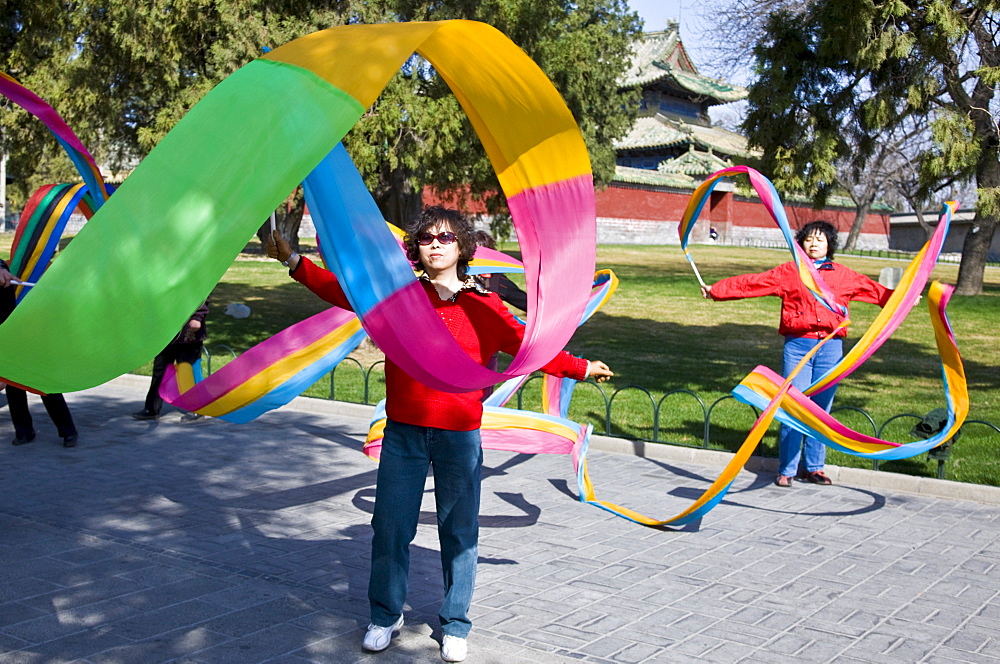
(697, 273)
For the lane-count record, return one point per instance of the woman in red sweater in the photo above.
(429, 428)
(804, 322)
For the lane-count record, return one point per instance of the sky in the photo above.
(656, 12)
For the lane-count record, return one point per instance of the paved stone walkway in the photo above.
(211, 542)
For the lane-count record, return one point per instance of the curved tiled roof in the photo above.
(628, 175)
(721, 140)
(693, 162)
(654, 132)
(659, 131)
(661, 55)
(647, 52)
(717, 89)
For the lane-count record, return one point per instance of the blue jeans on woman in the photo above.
(457, 460)
(790, 444)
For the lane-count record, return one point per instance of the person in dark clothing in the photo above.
(498, 282)
(17, 399)
(185, 347)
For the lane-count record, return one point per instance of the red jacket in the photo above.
(480, 323)
(802, 315)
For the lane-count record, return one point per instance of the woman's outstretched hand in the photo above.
(599, 371)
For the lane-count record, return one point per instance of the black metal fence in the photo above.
(608, 427)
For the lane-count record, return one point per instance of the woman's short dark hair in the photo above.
(434, 216)
(484, 239)
(824, 227)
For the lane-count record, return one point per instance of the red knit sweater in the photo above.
(802, 315)
(480, 323)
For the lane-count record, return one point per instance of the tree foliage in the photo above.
(835, 77)
(736, 27)
(123, 73)
(417, 135)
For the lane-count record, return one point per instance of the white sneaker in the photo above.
(453, 648)
(377, 638)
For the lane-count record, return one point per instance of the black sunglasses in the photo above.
(446, 237)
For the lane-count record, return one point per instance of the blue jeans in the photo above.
(457, 460)
(790, 443)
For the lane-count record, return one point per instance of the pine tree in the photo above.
(863, 68)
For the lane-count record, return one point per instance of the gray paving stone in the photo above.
(61, 623)
(260, 646)
(220, 542)
(82, 593)
(77, 646)
(164, 648)
(10, 645)
(149, 623)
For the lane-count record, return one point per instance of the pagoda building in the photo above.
(674, 133)
(673, 146)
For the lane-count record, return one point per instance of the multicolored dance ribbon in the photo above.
(802, 414)
(270, 374)
(49, 208)
(280, 368)
(41, 227)
(775, 396)
(772, 201)
(78, 154)
(903, 299)
(556, 395)
(234, 157)
(528, 432)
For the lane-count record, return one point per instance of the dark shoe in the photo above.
(145, 415)
(23, 440)
(784, 480)
(70, 441)
(819, 477)
(191, 417)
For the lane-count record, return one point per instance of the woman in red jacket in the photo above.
(804, 322)
(429, 428)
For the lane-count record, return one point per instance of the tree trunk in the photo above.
(861, 214)
(918, 211)
(975, 250)
(977, 243)
(396, 198)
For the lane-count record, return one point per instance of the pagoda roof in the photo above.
(644, 176)
(654, 132)
(661, 56)
(720, 140)
(694, 162)
(659, 131)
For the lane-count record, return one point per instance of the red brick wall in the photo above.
(627, 203)
(752, 213)
(444, 199)
(724, 210)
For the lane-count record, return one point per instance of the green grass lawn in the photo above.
(663, 340)
(658, 333)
